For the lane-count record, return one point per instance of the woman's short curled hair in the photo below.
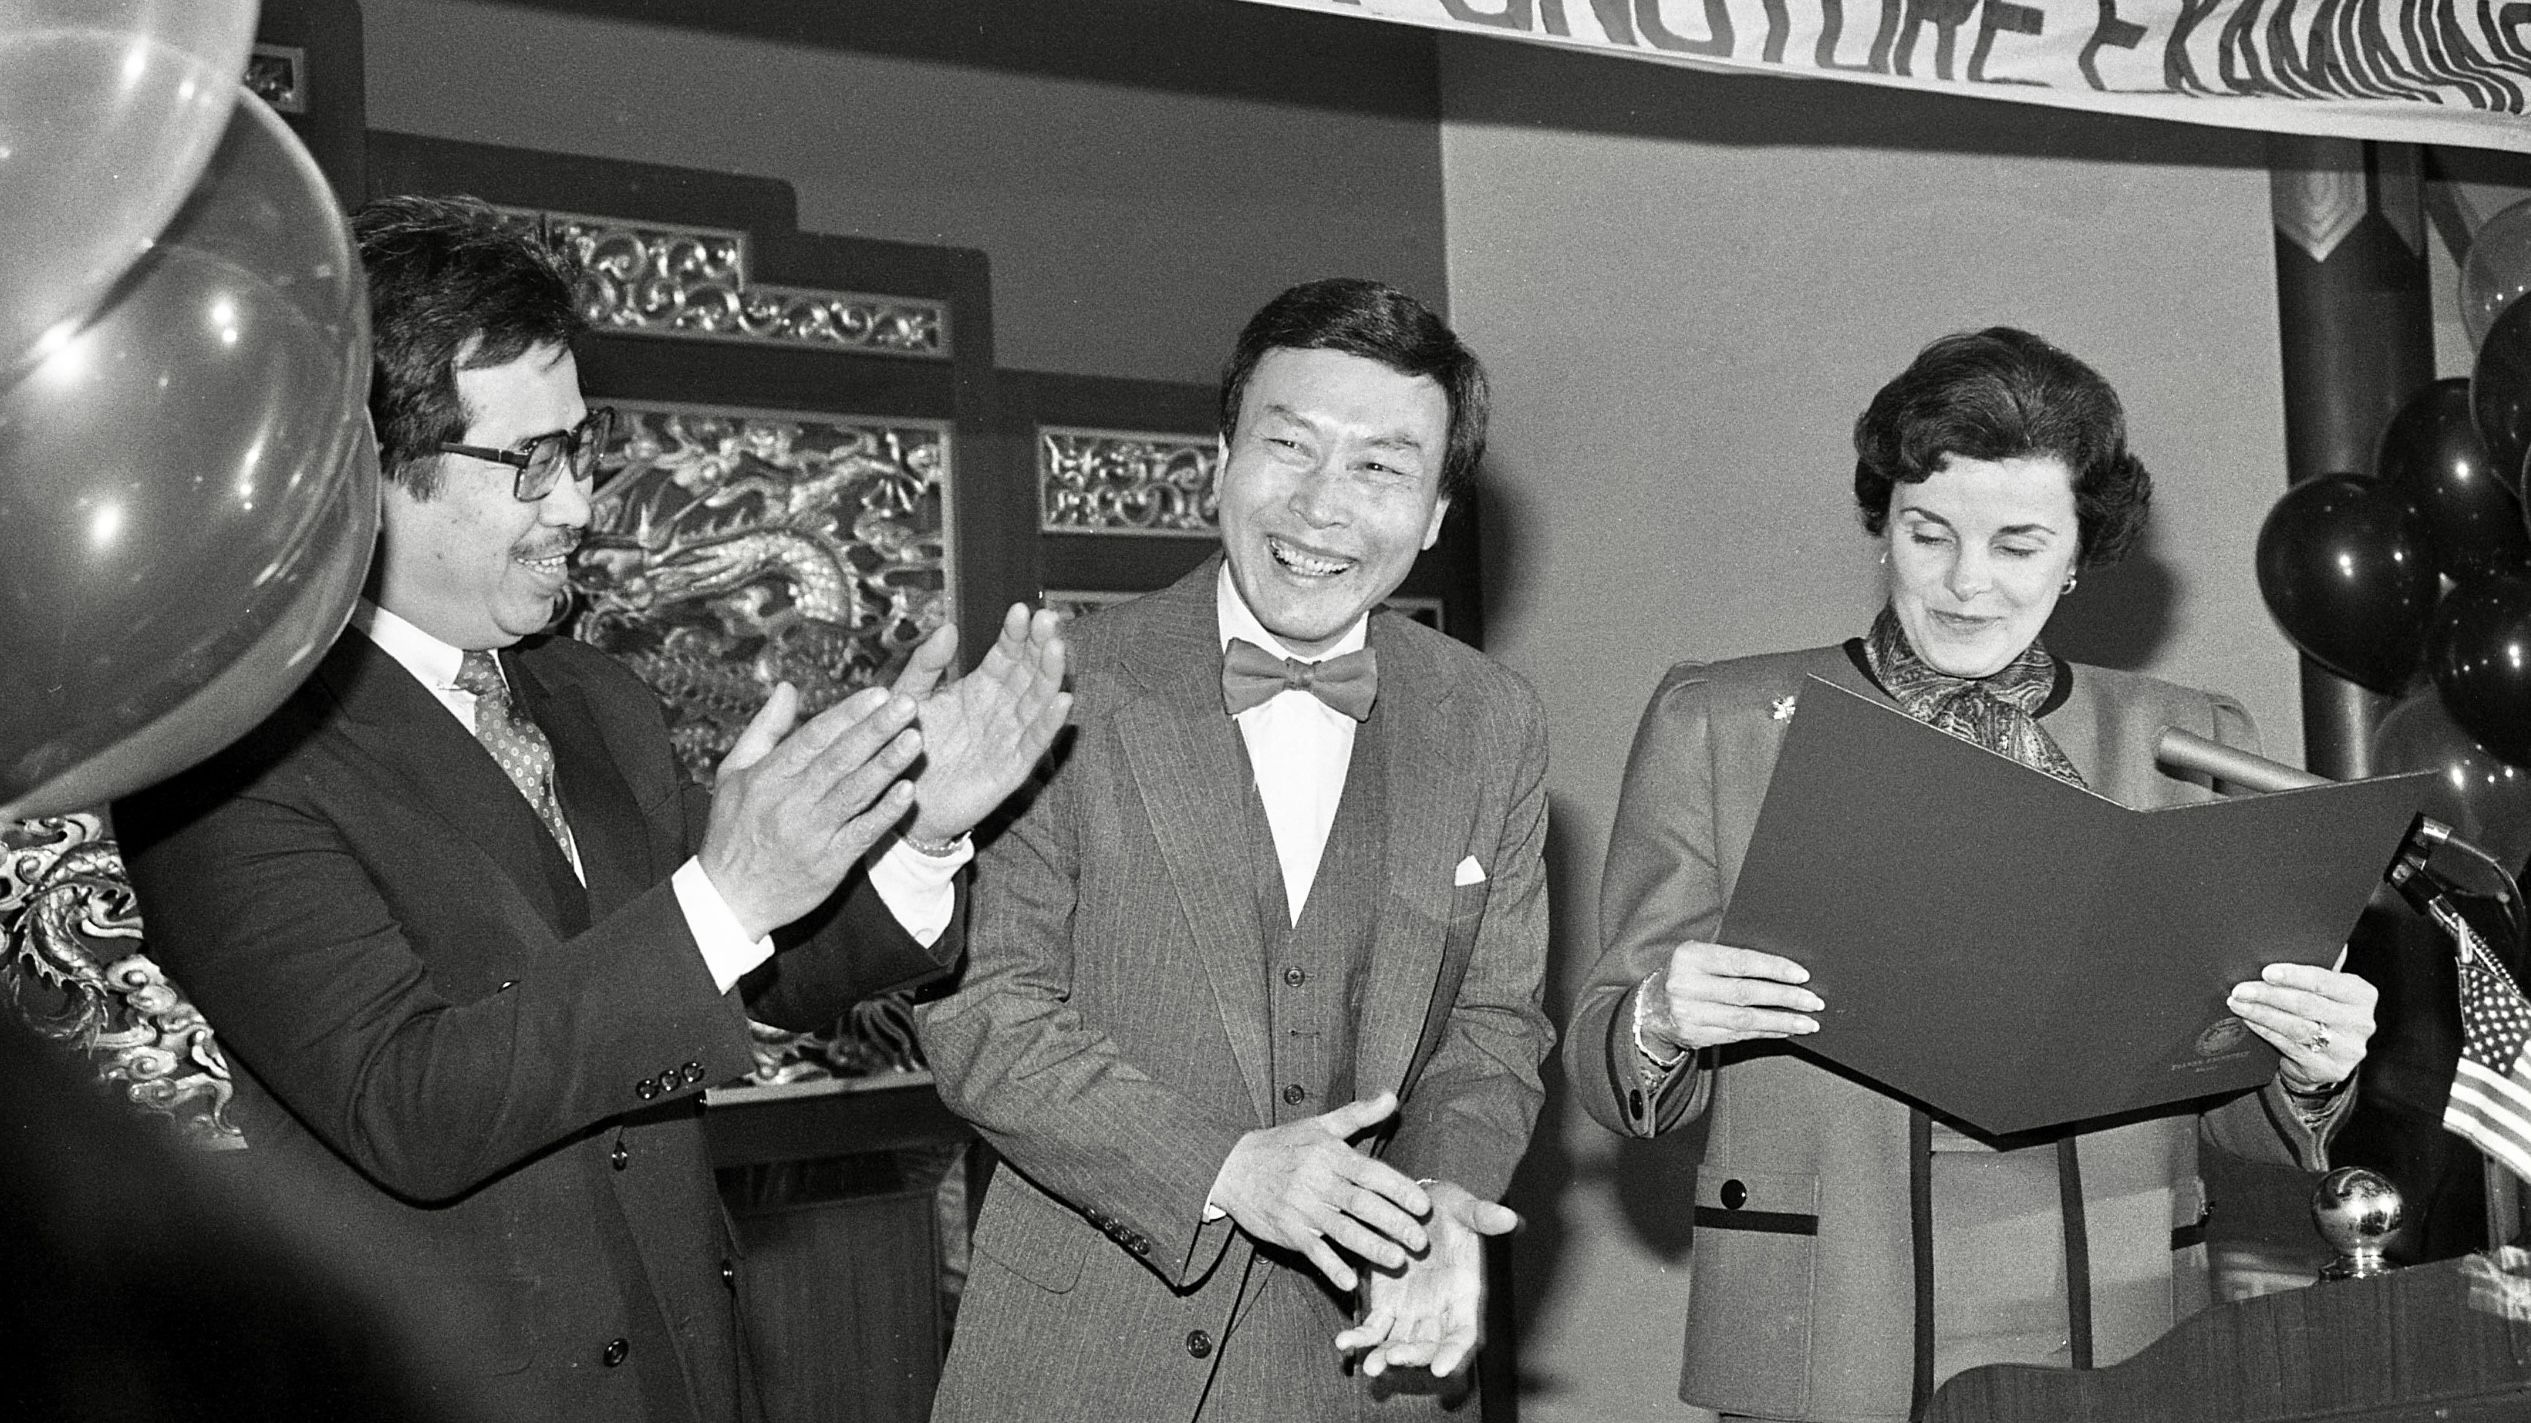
(454, 284)
(2001, 394)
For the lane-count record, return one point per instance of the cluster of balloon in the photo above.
(2355, 567)
(188, 491)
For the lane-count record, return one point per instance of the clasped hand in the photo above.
(1430, 1313)
(1304, 1187)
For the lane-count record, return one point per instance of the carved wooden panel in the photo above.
(75, 972)
(734, 549)
(1126, 482)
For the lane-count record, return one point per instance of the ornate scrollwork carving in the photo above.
(732, 550)
(661, 279)
(1125, 482)
(736, 549)
(77, 975)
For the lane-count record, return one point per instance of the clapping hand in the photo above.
(1304, 1187)
(984, 732)
(1430, 1314)
(795, 807)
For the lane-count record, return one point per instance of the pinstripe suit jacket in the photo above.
(1110, 1037)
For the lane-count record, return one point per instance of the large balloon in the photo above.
(2347, 569)
(2483, 797)
(2500, 392)
(2431, 452)
(2480, 655)
(109, 110)
(2496, 269)
(188, 494)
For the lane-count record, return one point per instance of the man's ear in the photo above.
(1440, 510)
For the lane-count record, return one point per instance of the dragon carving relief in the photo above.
(76, 975)
(732, 550)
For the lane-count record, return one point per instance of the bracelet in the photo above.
(936, 849)
(1643, 991)
(2313, 1094)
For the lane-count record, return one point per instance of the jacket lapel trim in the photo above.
(607, 826)
(1183, 750)
(401, 726)
(1431, 805)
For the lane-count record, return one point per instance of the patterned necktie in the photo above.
(1998, 712)
(1251, 676)
(526, 757)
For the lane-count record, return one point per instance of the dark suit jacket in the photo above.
(417, 995)
(1111, 1034)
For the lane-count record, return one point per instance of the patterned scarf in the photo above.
(1998, 712)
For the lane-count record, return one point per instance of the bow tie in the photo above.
(1251, 675)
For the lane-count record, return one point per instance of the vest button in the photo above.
(619, 1158)
(1734, 1195)
(1295, 977)
(616, 1349)
(1295, 1094)
(1198, 1343)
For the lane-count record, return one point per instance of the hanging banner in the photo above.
(2416, 71)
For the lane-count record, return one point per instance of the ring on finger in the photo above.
(2319, 1038)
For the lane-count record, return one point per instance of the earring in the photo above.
(2069, 585)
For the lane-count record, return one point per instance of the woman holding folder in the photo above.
(1850, 1251)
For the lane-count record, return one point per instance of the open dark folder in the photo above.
(2019, 953)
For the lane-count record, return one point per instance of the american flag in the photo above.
(2491, 1091)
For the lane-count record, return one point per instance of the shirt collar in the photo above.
(433, 662)
(1231, 614)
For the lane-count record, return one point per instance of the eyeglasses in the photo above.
(540, 461)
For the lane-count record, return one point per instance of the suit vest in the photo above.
(1316, 969)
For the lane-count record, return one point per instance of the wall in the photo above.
(1687, 286)
(1142, 174)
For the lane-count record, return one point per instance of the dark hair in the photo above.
(2002, 394)
(454, 283)
(1379, 323)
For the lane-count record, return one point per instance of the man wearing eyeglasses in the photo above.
(467, 937)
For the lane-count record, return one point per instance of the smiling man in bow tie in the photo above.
(1252, 1005)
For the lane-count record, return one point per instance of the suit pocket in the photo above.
(1031, 1234)
(1756, 1270)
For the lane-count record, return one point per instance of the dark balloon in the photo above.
(2482, 796)
(2500, 392)
(2496, 270)
(2480, 654)
(2347, 568)
(188, 493)
(2431, 452)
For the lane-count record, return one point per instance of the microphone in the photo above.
(2184, 750)
(2179, 749)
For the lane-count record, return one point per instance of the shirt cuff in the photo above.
(727, 950)
(919, 889)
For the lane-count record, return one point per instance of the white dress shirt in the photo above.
(1299, 748)
(917, 888)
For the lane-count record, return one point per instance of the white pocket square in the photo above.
(1468, 873)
